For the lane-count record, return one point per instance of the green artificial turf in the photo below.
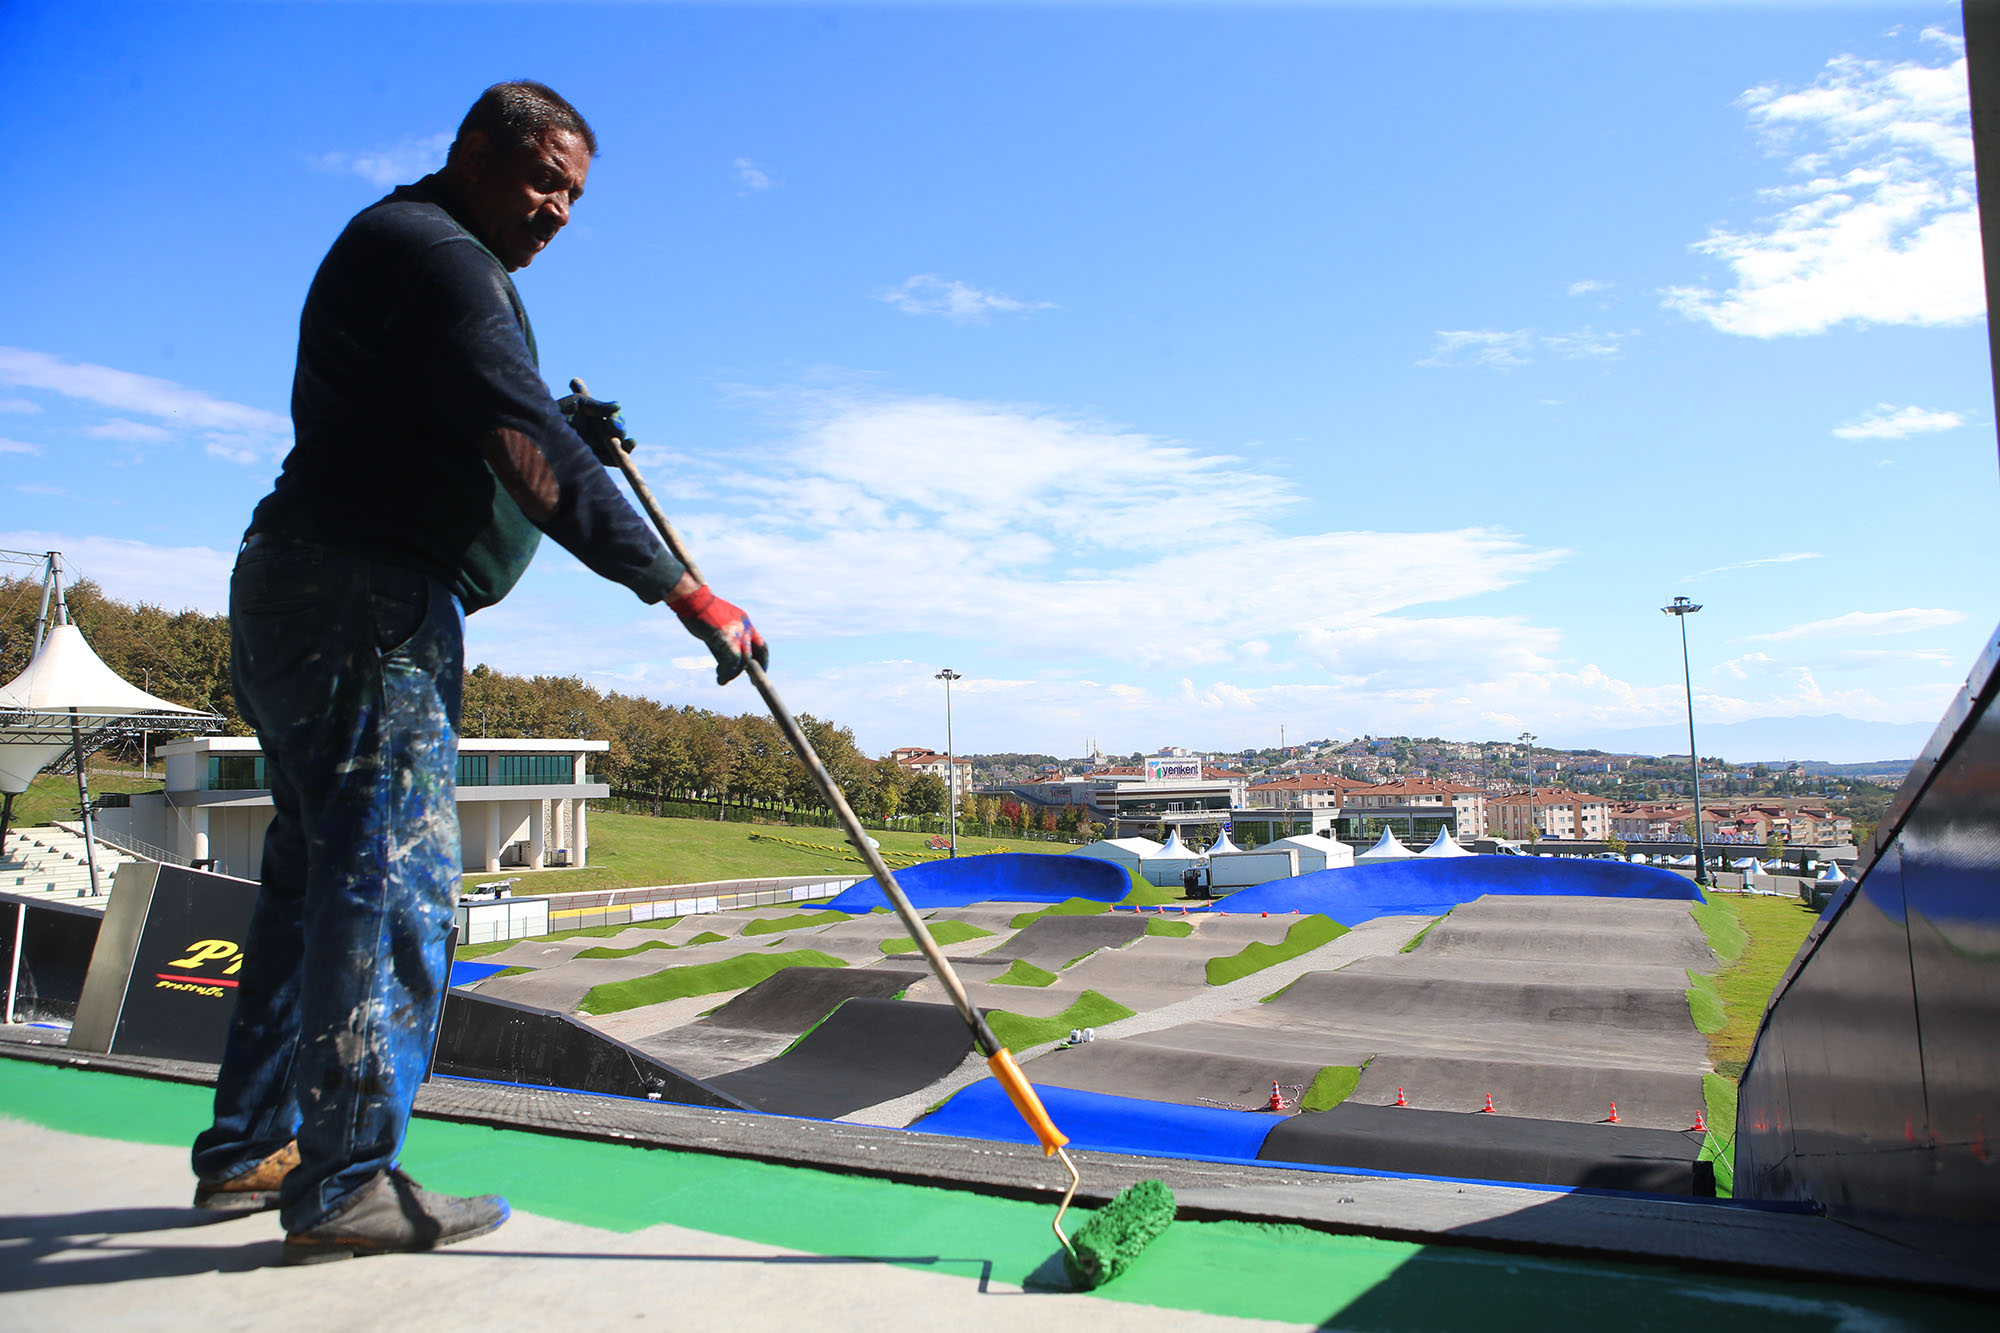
(1069, 907)
(676, 983)
(1018, 1032)
(1725, 933)
(1303, 937)
(1330, 1087)
(1719, 1096)
(1159, 925)
(1290, 1274)
(602, 951)
(773, 925)
(1025, 973)
(1775, 928)
(481, 950)
(1418, 938)
(507, 972)
(944, 932)
(1705, 1005)
(1143, 894)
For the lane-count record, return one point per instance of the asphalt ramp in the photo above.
(761, 1022)
(1054, 942)
(1494, 1147)
(869, 1051)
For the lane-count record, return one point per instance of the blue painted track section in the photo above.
(1109, 1124)
(464, 974)
(1354, 894)
(1006, 877)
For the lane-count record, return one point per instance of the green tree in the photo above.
(926, 795)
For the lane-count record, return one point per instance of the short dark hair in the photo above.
(516, 115)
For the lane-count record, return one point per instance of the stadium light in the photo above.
(950, 761)
(1528, 739)
(1680, 609)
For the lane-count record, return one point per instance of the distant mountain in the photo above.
(1829, 738)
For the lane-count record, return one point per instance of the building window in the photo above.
(472, 770)
(534, 770)
(236, 772)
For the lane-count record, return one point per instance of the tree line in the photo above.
(664, 751)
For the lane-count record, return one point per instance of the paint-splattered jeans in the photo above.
(351, 672)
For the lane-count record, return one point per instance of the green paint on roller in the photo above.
(1171, 929)
(1116, 1233)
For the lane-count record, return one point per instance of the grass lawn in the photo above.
(677, 983)
(49, 798)
(1018, 1032)
(1304, 936)
(1772, 930)
(634, 851)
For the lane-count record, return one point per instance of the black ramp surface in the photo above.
(869, 1051)
(798, 997)
(1054, 941)
(1493, 1147)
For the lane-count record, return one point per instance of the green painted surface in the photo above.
(1225, 1268)
(1725, 933)
(944, 932)
(676, 983)
(1068, 907)
(1705, 1005)
(1303, 937)
(606, 951)
(1024, 973)
(1178, 930)
(796, 921)
(1018, 1032)
(1330, 1087)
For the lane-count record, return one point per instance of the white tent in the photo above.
(66, 676)
(1126, 852)
(1833, 874)
(1445, 845)
(1386, 848)
(1223, 846)
(1318, 853)
(1164, 867)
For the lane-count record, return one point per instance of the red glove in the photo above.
(725, 629)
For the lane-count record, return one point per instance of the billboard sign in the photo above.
(1173, 770)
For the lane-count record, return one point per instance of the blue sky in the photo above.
(1174, 373)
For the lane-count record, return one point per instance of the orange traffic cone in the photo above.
(1486, 1109)
(1700, 1123)
(1277, 1102)
(1614, 1114)
(1401, 1100)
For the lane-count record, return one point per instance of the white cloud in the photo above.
(1502, 349)
(1906, 621)
(1790, 557)
(1509, 349)
(20, 406)
(1587, 286)
(929, 294)
(174, 577)
(136, 432)
(751, 176)
(18, 447)
(1880, 225)
(399, 164)
(1885, 421)
(234, 430)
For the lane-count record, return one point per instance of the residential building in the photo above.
(955, 773)
(1558, 813)
(1423, 797)
(1307, 791)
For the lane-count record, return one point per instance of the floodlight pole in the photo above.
(1527, 738)
(1680, 609)
(950, 759)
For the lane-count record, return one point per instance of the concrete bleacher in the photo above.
(47, 861)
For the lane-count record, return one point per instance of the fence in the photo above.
(642, 803)
(621, 907)
(137, 846)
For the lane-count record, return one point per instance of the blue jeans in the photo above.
(351, 673)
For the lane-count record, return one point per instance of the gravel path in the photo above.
(1384, 935)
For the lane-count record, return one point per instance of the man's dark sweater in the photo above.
(423, 433)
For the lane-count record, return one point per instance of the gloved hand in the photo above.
(725, 629)
(600, 424)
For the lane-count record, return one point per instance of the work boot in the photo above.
(252, 1192)
(392, 1214)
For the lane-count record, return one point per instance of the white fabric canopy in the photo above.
(1832, 874)
(1174, 850)
(1386, 848)
(1222, 844)
(1445, 845)
(67, 675)
(20, 760)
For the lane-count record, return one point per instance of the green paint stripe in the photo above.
(1224, 1268)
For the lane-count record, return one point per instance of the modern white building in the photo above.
(520, 803)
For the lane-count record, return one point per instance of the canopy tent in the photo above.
(1127, 852)
(1223, 846)
(1445, 845)
(1833, 874)
(1317, 853)
(1164, 867)
(1386, 848)
(67, 677)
